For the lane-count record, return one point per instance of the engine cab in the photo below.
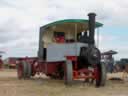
(70, 37)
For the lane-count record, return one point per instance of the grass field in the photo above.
(11, 86)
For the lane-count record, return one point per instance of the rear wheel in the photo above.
(20, 71)
(29, 70)
(24, 70)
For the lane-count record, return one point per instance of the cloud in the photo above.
(110, 12)
(19, 25)
(114, 42)
(20, 21)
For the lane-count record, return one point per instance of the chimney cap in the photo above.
(92, 13)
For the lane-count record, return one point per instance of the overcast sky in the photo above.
(20, 21)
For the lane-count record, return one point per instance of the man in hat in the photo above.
(110, 63)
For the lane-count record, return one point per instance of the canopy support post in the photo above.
(98, 33)
(76, 37)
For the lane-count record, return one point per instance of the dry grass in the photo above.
(11, 86)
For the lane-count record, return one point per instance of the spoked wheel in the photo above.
(68, 73)
(33, 71)
(100, 75)
(29, 70)
(20, 71)
(24, 70)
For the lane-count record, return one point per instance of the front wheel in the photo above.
(101, 75)
(68, 72)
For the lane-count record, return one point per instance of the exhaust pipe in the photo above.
(91, 25)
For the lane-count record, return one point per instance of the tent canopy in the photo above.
(110, 52)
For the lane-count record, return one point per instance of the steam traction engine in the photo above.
(67, 51)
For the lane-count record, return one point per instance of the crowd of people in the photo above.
(114, 66)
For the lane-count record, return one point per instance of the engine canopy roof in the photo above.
(71, 25)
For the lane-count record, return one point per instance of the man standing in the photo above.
(110, 64)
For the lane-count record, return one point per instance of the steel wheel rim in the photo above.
(20, 71)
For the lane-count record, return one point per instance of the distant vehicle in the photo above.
(124, 61)
(1, 61)
(67, 51)
(12, 61)
(121, 64)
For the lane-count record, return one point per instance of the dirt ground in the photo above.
(11, 86)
